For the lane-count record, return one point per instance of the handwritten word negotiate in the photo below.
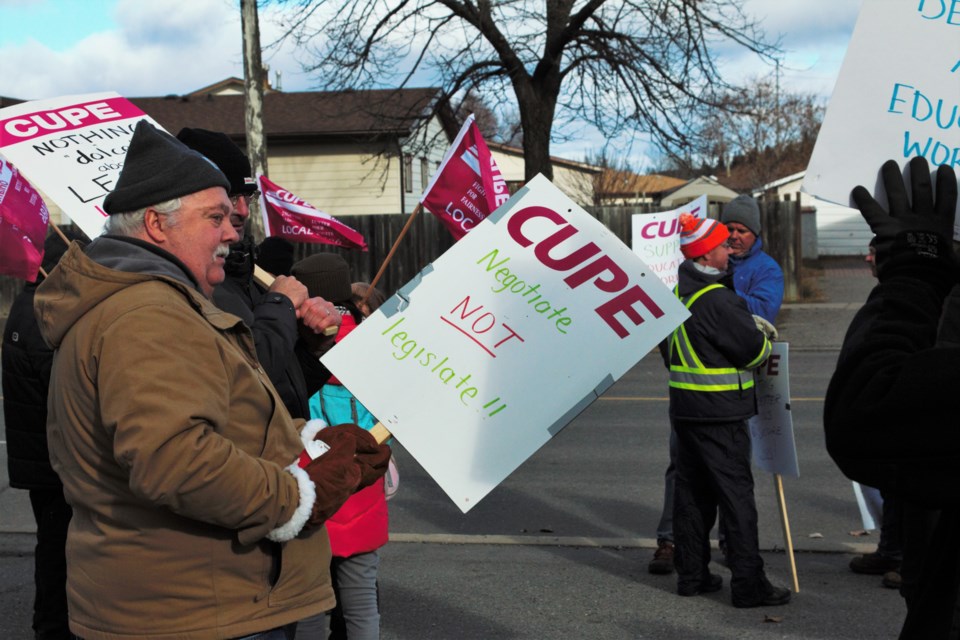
(406, 347)
(586, 263)
(507, 281)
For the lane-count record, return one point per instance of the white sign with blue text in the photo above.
(897, 97)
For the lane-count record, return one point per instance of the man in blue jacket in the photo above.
(757, 277)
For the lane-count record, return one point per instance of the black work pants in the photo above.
(52, 514)
(713, 472)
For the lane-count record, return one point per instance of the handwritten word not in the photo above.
(477, 324)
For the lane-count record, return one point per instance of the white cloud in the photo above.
(198, 24)
(159, 47)
(813, 35)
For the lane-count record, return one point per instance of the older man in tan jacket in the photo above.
(192, 515)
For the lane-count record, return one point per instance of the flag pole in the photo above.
(63, 237)
(60, 233)
(393, 250)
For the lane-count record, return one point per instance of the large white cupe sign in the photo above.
(498, 344)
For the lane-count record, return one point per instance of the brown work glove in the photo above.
(372, 459)
(336, 476)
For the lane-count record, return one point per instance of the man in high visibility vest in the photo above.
(710, 357)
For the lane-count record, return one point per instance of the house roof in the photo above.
(782, 181)
(619, 183)
(9, 102)
(298, 115)
(228, 85)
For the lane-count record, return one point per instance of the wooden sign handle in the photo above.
(381, 433)
(264, 278)
(785, 521)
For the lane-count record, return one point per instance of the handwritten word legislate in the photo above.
(408, 347)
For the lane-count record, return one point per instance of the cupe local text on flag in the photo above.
(290, 217)
(468, 185)
(23, 225)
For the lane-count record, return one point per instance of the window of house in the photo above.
(408, 174)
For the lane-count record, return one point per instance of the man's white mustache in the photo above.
(222, 251)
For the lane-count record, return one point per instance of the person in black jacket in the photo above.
(271, 314)
(890, 416)
(26, 376)
(711, 357)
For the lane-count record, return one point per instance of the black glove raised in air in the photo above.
(911, 237)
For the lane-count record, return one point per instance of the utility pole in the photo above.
(253, 83)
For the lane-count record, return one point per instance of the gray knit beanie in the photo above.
(742, 209)
(158, 167)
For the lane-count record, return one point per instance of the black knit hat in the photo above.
(326, 275)
(158, 167)
(225, 154)
(275, 254)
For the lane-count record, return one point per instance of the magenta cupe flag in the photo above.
(23, 225)
(289, 216)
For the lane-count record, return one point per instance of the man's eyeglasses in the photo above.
(247, 197)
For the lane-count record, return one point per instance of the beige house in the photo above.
(351, 152)
(717, 194)
(575, 179)
(347, 153)
(624, 188)
(840, 230)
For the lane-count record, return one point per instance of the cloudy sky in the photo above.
(160, 47)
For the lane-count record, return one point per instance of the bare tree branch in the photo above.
(624, 66)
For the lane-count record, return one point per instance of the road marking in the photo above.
(666, 399)
(817, 546)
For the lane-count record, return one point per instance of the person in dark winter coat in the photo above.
(26, 377)
(889, 414)
(758, 279)
(271, 314)
(710, 357)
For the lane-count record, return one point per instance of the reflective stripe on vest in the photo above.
(691, 374)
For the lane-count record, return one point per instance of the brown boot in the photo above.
(662, 562)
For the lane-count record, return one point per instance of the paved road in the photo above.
(560, 548)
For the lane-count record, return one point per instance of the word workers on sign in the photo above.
(587, 263)
(477, 325)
